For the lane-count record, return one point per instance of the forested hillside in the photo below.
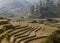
(48, 9)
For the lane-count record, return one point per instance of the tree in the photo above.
(44, 11)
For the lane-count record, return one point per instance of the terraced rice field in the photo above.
(23, 32)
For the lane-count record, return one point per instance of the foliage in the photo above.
(52, 20)
(54, 38)
(33, 21)
(45, 10)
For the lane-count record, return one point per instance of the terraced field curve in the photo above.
(24, 32)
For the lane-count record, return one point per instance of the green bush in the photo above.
(33, 21)
(52, 20)
(54, 38)
(4, 22)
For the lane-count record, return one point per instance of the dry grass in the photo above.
(4, 20)
(1, 26)
(45, 30)
(4, 41)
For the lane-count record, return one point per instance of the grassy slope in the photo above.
(46, 29)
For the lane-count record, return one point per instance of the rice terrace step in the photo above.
(24, 32)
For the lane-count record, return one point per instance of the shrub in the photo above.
(33, 21)
(52, 20)
(1, 30)
(4, 22)
(1, 18)
(54, 38)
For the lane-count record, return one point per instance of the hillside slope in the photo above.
(23, 32)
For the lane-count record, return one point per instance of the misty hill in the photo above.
(15, 7)
(19, 8)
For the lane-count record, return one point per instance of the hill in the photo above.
(24, 32)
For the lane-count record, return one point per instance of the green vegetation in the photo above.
(45, 10)
(54, 38)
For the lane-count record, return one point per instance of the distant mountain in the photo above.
(15, 7)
